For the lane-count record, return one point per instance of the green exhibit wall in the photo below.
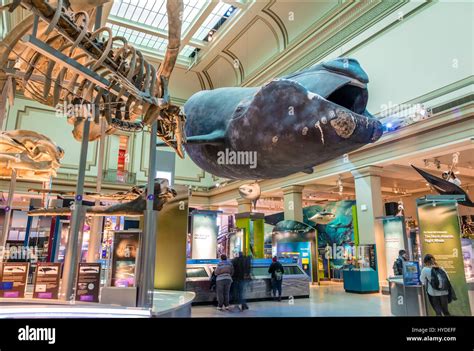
(171, 236)
(440, 236)
(253, 225)
(355, 225)
(258, 232)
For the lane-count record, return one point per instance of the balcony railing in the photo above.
(116, 176)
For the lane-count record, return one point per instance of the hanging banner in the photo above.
(13, 279)
(394, 237)
(47, 278)
(204, 235)
(440, 236)
(124, 259)
(88, 282)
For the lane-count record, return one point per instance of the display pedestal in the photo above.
(406, 300)
(361, 281)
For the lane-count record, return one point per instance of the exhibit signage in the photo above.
(204, 239)
(124, 258)
(88, 282)
(13, 279)
(47, 278)
(394, 237)
(411, 273)
(440, 237)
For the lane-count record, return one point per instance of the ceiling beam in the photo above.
(205, 12)
(144, 28)
(241, 4)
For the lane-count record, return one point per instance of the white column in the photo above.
(293, 202)
(369, 201)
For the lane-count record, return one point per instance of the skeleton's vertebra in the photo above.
(30, 154)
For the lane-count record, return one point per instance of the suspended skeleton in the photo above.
(112, 76)
(134, 206)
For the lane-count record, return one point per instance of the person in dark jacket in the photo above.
(398, 264)
(241, 277)
(223, 272)
(438, 287)
(276, 270)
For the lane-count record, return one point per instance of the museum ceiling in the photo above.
(242, 42)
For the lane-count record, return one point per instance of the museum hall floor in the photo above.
(325, 301)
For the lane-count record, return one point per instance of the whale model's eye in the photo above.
(343, 124)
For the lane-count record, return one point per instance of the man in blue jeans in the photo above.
(241, 277)
(276, 270)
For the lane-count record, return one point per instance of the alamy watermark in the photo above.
(402, 110)
(85, 110)
(341, 252)
(22, 253)
(241, 158)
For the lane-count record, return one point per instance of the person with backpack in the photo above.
(276, 270)
(223, 272)
(242, 276)
(398, 264)
(438, 286)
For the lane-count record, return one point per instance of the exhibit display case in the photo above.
(295, 281)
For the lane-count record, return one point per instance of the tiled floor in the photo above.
(325, 301)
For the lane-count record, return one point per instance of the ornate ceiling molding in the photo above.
(311, 46)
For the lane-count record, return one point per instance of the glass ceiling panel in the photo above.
(140, 39)
(153, 12)
(152, 15)
(187, 50)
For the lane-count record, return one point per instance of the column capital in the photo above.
(365, 171)
(242, 201)
(291, 189)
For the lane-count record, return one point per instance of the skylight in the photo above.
(145, 23)
(221, 11)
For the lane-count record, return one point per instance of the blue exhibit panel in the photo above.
(298, 252)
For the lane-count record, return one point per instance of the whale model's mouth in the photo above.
(351, 96)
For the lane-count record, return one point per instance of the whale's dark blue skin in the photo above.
(293, 123)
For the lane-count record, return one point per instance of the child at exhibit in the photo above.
(276, 270)
(438, 286)
(223, 272)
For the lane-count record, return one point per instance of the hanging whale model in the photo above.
(323, 217)
(444, 187)
(288, 125)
